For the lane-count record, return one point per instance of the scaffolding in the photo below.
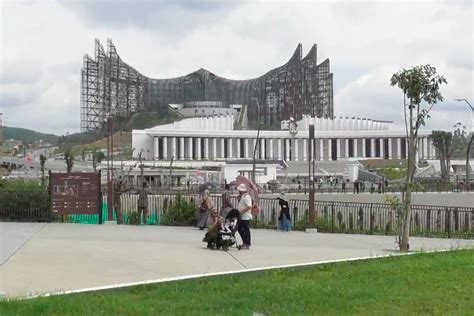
(109, 87)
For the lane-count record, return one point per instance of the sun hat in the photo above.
(283, 197)
(242, 187)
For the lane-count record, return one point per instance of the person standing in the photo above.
(143, 202)
(226, 203)
(203, 211)
(119, 188)
(244, 207)
(284, 218)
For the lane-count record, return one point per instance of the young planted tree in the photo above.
(442, 141)
(419, 84)
(42, 163)
(69, 160)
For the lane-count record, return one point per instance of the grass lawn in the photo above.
(430, 283)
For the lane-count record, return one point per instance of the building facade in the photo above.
(109, 86)
(214, 138)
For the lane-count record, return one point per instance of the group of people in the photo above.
(208, 215)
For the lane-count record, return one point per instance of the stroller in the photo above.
(222, 236)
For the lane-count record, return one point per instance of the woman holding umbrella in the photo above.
(244, 207)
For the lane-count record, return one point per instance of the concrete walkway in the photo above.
(60, 257)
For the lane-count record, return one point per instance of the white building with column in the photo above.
(215, 139)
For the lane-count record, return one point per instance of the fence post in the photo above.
(332, 217)
(449, 222)
(371, 219)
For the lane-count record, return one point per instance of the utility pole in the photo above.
(311, 209)
(257, 142)
(110, 166)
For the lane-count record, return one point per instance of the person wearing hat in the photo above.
(284, 218)
(244, 207)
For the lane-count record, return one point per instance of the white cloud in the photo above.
(42, 43)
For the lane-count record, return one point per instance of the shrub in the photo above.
(134, 218)
(180, 213)
(24, 200)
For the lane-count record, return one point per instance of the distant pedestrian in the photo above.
(143, 202)
(284, 219)
(226, 203)
(244, 207)
(204, 209)
(343, 184)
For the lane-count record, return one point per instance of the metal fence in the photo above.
(337, 217)
(340, 217)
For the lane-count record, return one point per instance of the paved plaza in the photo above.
(38, 258)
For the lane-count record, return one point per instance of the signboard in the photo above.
(75, 193)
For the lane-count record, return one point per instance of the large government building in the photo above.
(219, 128)
(215, 138)
(109, 86)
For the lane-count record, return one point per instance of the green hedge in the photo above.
(24, 200)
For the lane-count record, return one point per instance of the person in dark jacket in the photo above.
(284, 219)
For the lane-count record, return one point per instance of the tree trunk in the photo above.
(406, 216)
(448, 162)
(442, 163)
(405, 234)
(118, 208)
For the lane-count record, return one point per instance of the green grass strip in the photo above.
(428, 283)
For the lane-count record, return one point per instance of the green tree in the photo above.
(42, 163)
(442, 141)
(68, 156)
(418, 84)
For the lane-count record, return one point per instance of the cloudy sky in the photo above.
(42, 44)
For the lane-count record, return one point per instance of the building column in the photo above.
(190, 148)
(198, 148)
(230, 143)
(390, 155)
(246, 148)
(165, 148)
(287, 150)
(295, 143)
(329, 141)
(237, 140)
(338, 148)
(399, 148)
(222, 148)
(206, 148)
(271, 156)
(181, 148)
(156, 148)
(321, 149)
(425, 147)
(305, 149)
(355, 148)
(347, 148)
(173, 147)
(382, 148)
(432, 149)
(262, 148)
(279, 148)
(214, 148)
(364, 148)
(372, 148)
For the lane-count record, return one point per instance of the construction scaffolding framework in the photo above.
(110, 87)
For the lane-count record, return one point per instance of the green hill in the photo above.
(28, 136)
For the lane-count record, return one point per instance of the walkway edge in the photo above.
(202, 275)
